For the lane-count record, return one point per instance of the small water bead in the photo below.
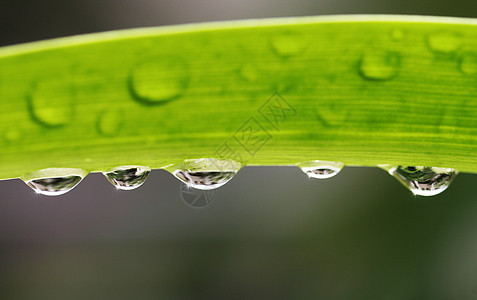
(55, 181)
(379, 65)
(444, 42)
(127, 177)
(12, 135)
(204, 180)
(321, 169)
(287, 44)
(468, 64)
(423, 181)
(397, 35)
(110, 121)
(248, 72)
(206, 173)
(51, 103)
(160, 81)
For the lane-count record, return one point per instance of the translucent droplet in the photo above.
(157, 82)
(110, 122)
(468, 64)
(423, 181)
(55, 181)
(288, 44)
(51, 103)
(127, 177)
(379, 65)
(397, 34)
(444, 42)
(12, 135)
(206, 173)
(248, 72)
(321, 169)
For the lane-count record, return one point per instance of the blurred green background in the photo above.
(269, 233)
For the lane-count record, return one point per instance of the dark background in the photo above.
(270, 233)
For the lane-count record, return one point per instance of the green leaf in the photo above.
(363, 90)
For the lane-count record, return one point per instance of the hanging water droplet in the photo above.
(288, 44)
(444, 42)
(379, 65)
(423, 181)
(55, 181)
(321, 169)
(157, 82)
(127, 177)
(51, 103)
(110, 121)
(468, 64)
(206, 173)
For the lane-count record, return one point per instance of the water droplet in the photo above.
(468, 64)
(127, 177)
(51, 103)
(109, 122)
(12, 135)
(423, 181)
(288, 44)
(157, 82)
(397, 34)
(321, 169)
(379, 65)
(55, 181)
(248, 72)
(444, 42)
(206, 173)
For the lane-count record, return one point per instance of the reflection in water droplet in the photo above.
(288, 44)
(444, 42)
(54, 182)
(127, 177)
(51, 103)
(321, 169)
(206, 173)
(379, 65)
(157, 82)
(423, 181)
(468, 64)
(110, 121)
